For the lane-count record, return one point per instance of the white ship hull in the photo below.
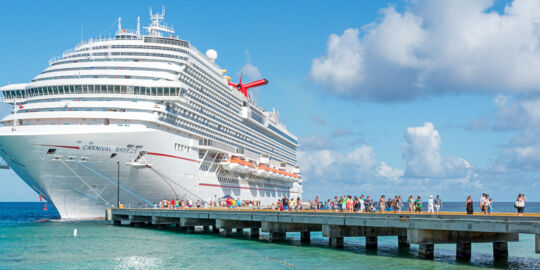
(80, 177)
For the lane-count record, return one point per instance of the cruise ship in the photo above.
(138, 118)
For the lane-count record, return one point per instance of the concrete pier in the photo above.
(424, 230)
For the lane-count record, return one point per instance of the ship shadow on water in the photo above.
(355, 245)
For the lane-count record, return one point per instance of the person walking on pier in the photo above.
(418, 204)
(349, 204)
(482, 203)
(382, 203)
(285, 204)
(438, 204)
(520, 204)
(317, 204)
(469, 205)
(485, 205)
(362, 204)
(410, 203)
(431, 207)
(399, 204)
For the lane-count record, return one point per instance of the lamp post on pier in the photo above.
(118, 185)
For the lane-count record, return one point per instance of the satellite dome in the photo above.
(212, 54)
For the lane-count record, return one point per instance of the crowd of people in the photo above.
(228, 202)
(345, 203)
(366, 204)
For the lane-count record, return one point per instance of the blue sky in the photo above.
(397, 97)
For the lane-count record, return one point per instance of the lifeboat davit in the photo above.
(230, 166)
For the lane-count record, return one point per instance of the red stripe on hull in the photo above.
(171, 156)
(61, 146)
(213, 185)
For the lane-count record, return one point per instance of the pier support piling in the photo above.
(537, 244)
(463, 251)
(215, 229)
(371, 242)
(500, 250)
(336, 242)
(254, 233)
(403, 242)
(305, 237)
(425, 251)
(278, 236)
(280, 230)
(227, 232)
(190, 229)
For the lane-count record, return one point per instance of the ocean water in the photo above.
(28, 244)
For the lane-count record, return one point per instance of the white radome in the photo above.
(212, 54)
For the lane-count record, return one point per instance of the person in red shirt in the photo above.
(229, 202)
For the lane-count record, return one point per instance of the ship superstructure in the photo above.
(148, 117)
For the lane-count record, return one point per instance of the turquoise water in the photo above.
(51, 245)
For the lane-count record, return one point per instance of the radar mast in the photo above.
(156, 28)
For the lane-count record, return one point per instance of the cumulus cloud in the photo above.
(523, 150)
(434, 47)
(420, 151)
(358, 165)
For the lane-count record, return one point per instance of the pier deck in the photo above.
(425, 230)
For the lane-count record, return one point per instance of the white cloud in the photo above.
(435, 47)
(523, 150)
(250, 72)
(356, 166)
(342, 68)
(420, 150)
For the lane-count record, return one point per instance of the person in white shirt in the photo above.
(362, 206)
(431, 209)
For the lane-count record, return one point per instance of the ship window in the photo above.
(51, 151)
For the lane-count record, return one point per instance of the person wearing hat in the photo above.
(431, 208)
